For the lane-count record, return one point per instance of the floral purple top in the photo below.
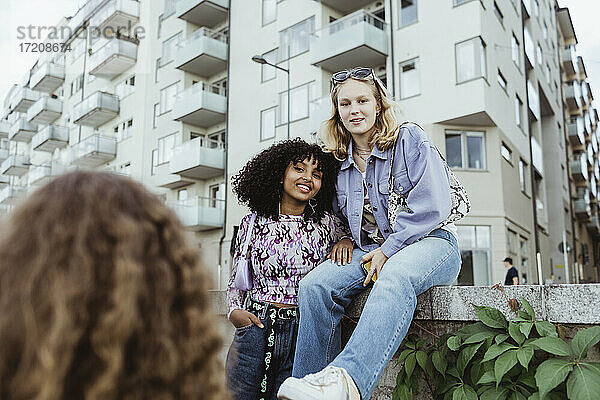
(281, 253)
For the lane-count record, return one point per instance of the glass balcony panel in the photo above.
(575, 131)
(579, 169)
(200, 213)
(39, 175)
(97, 109)
(94, 151)
(118, 15)
(22, 99)
(50, 138)
(4, 150)
(45, 111)
(346, 6)
(202, 12)
(4, 129)
(164, 178)
(22, 130)
(569, 60)
(15, 165)
(573, 95)
(114, 58)
(202, 105)
(49, 77)
(12, 194)
(196, 159)
(204, 53)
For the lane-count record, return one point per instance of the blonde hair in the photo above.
(334, 135)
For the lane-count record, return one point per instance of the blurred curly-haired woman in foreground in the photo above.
(101, 298)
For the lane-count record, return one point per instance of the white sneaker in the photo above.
(332, 383)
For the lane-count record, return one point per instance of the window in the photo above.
(408, 12)
(515, 50)
(268, 72)
(409, 79)
(267, 123)
(299, 98)
(157, 71)
(536, 8)
(523, 175)
(465, 149)
(499, 14)
(475, 249)
(545, 31)
(182, 195)
(470, 60)
(269, 11)
(169, 47)
(518, 111)
(539, 54)
(547, 72)
(123, 130)
(156, 115)
(167, 97)
(216, 140)
(502, 80)
(215, 194)
(77, 84)
(166, 144)
(126, 87)
(169, 7)
(125, 169)
(295, 39)
(506, 153)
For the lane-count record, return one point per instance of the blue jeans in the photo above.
(246, 357)
(326, 291)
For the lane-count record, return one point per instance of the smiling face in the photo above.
(357, 107)
(302, 181)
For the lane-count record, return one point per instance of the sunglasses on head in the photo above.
(359, 73)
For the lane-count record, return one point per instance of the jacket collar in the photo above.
(375, 153)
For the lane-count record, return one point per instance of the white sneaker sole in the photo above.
(290, 392)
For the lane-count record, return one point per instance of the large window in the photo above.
(166, 145)
(523, 171)
(296, 39)
(299, 98)
(475, 249)
(518, 111)
(470, 60)
(268, 72)
(498, 14)
(267, 123)
(169, 47)
(269, 11)
(515, 50)
(408, 12)
(167, 97)
(465, 149)
(409, 79)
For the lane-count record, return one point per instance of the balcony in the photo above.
(357, 39)
(593, 224)
(22, 99)
(114, 58)
(4, 181)
(579, 170)
(97, 109)
(201, 105)
(4, 128)
(198, 159)
(573, 95)
(117, 14)
(45, 111)
(202, 12)
(575, 131)
(50, 138)
(15, 165)
(94, 151)
(4, 147)
(39, 175)
(11, 194)
(200, 213)
(204, 53)
(168, 180)
(587, 123)
(569, 60)
(49, 77)
(22, 130)
(583, 211)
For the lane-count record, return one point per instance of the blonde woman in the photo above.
(407, 258)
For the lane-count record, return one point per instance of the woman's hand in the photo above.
(342, 252)
(241, 318)
(378, 259)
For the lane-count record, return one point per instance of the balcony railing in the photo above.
(22, 130)
(50, 138)
(346, 6)
(202, 12)
(164, 178)
(200, 213)
(575, 132)
(356, 39)
(23, 98)
(202, 105)
(4, 128)
(198, 159)
(49, 77)
(117, 14)
(97, 109)
(569, 60)
(4, 150)
(11, 194)
(587, 123)
(94, 151)
(204, 53)
(114, 58)
(15, 165)
(45, 111)
(581, 204)
(39, 175)
(579, 169)
(573, 95)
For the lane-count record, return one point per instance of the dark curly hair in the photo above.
(258, 184)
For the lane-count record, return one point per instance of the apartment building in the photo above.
(179, 105)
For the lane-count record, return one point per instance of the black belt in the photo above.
(274, 313)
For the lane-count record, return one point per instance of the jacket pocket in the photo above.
(402, 184)
(342, 200)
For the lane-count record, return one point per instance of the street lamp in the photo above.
(261, 60)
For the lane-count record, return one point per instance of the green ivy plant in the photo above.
(497, 359)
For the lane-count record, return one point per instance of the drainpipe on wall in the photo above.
(393, 76)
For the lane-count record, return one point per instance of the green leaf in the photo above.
(471, 329)
(583, 340)
(583, 383)
(479, 337)
(501, 338)
(524, 355)
(487, 377)
(527, 379)
(551, 373)
(491, 317)
(464, 392)
(515, 333)
(496, 349)
(504, 363)
(402, 392)
(516, 396)
(545, 328)
(422, 359)
(525, 328)
(453, 343)
(494, 393)
(403, 355)
(528, 309)
(465, 356)
(439, 362)
(409, 364)
(553, 345)
(454, 372)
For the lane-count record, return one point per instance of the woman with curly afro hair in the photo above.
(289, 189)
(102, 298)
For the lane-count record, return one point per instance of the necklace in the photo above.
(363, 156)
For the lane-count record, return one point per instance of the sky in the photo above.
(584, 14)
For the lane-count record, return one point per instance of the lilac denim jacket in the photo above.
(420, 176)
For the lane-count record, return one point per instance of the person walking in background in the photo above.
(289, 189)
(394, 190)
(102, 298)
(512, 275)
